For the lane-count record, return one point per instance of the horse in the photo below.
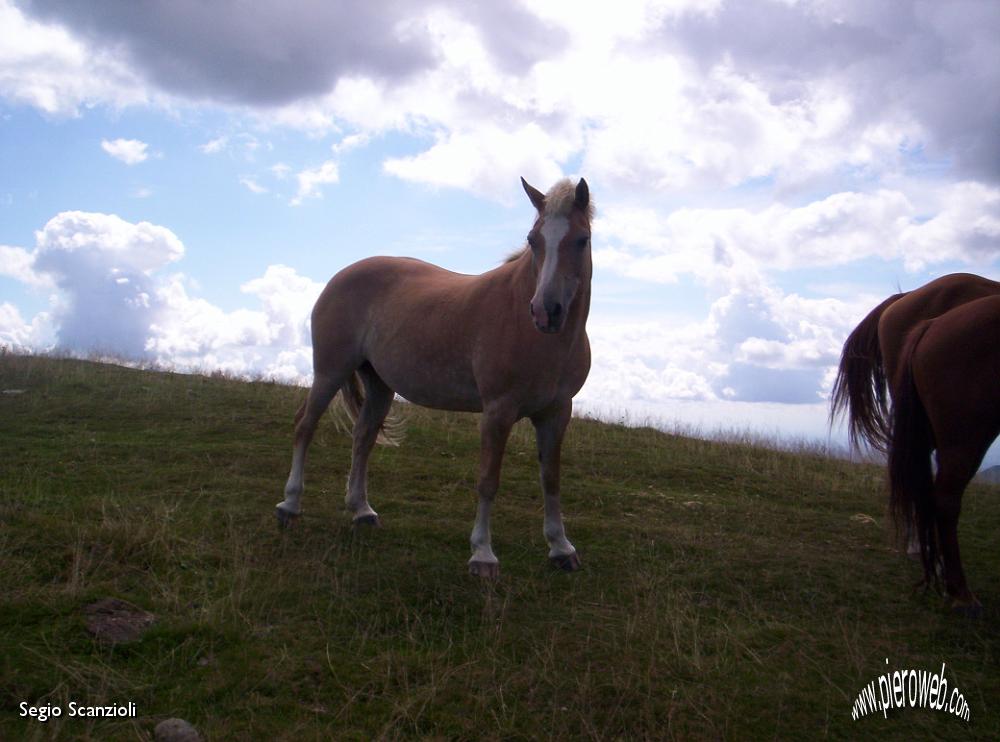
(946, 400)
(509, 343)
(866, 380)
(864, 384)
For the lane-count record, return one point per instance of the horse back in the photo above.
(927, 302)
(955, 366)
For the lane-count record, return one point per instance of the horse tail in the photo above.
(911, 504)
(860, 389)
(352, 397)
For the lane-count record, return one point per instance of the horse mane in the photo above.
(515, 254)
(561, 197)
(559, 201)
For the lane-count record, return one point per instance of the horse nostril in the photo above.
(556, 310)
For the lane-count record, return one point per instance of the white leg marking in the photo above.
(357, 494)
(294, 486)
(555, 534)
(482, 548)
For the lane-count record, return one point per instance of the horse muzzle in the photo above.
(549, 317)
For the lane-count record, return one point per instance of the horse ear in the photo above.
(582, 195)
(536, 196)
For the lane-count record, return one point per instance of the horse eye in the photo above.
(532, 241)
(582, 242)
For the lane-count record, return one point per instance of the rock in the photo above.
(175, 730)
(116, 621)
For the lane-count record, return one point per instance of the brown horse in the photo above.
(865, 381)
(946, 399)
(510, 343)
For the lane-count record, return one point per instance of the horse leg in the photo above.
(324, 388)
(955, 471)
(378, 400)
(549, 429)
(494, 429)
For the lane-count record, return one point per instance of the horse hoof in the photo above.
(566, 562)
(371, 519)
(485, 570)
(285, 517)
(973, 609)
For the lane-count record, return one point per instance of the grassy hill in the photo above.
(728, 591)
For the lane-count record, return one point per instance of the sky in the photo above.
(179, 179)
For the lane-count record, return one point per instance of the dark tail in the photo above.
(352, 396)
(860, 389)
(910, 480)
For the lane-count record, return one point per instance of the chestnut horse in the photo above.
(865, 379)
(510, 343)
(946, 399)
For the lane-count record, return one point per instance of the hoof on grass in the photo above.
(968, 609)
(566, 562)
(285, 517)
(485, 570)
(371, 519)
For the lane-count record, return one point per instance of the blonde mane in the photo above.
(558, 202)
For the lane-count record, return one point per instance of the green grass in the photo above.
(728, 591)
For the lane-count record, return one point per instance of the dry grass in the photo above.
(730, 590)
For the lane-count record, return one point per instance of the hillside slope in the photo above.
(728, 591)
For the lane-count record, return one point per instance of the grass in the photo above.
(729, 590)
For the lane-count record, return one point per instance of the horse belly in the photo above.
(429, 382)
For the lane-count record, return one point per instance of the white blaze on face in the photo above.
(553, 231)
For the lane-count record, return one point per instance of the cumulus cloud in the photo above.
(102, 266)
(757, 344)
(52, 69)
(273, 340)
(729, 247)
(12, 327)
(490, 159)
(660, 103)
(669, 95)
(305, 47)
(129, 151)
(312, 180)
(928, 62)
(111, 294)
(18, 263)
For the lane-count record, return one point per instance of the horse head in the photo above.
(560, 250)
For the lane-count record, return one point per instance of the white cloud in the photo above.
(273, 340)
(667, 95)
(311, 181)
(252, 185)
(110, 295)
(14, 331)
(489, 160)
(18, 263)
(129, 151)
(727, 247)
(757, 344)
(214, 146)
(103, 268)
(45, 66)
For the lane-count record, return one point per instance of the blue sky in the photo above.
(765, 173)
